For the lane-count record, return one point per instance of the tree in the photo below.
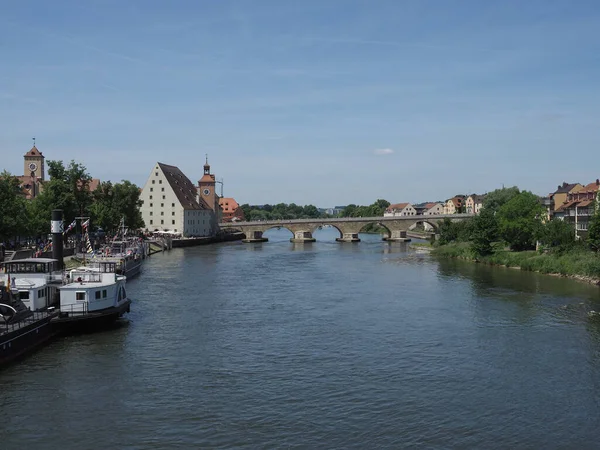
(496, 199)
(115, 202)
(558, 234)
(593, 237)
(13, 210)
(484, 232)
(520, 221)
(67, 189)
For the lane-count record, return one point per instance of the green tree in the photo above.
(496, 199)
(520, 221)
(593, 237)
(13, 210)
(484, 232)
(558, 234)
(115, 202)
(67, 189)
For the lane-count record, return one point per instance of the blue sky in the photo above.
(326, 102)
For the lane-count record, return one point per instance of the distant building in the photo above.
(454, 205)
(335, 211)
(559, 196)
(34, 174)
(474, 203)
(170, 203)
(433, 209)
(32, 180)
(232, 212)
(400, 209)
(579, 206)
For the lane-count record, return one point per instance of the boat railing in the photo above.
(85, 277)
(7, 327)
(74, 309)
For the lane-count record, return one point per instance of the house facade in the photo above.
(579, 207)
(474, 203)
(433, 209)
(559, 197)
(454, 205)
(231, 210)
(400, 209)
(170, 203)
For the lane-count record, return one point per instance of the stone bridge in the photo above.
(348, 227)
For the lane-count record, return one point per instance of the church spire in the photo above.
(206, 166)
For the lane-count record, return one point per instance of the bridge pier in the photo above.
(302, 236)
(349, 237)
(254, 236)
(397, 236)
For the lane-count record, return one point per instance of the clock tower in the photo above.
(33, 164)
(206, 188)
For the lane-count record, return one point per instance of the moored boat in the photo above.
(93, 297)
(21, 329)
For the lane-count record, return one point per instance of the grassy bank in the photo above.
(581, 264)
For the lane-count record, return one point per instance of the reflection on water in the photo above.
(327, 344)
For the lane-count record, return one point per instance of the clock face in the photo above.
(206, 192)
(32, 166)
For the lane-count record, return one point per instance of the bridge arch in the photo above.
(314, 229)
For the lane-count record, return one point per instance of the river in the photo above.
(322, 345)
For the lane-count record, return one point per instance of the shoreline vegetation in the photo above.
(578, 264)
(514, 230)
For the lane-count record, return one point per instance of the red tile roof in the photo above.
(397, 206)
(34, 152)
(592, 187)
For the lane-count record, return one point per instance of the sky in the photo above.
(324, 102)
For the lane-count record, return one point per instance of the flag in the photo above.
(70, 227)
(85, 224)
(88, 244)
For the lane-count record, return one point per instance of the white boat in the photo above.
(36, 279)
(92, 297)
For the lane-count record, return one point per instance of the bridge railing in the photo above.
(419, 218)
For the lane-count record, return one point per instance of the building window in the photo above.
(162, 205)
(141, 202)
(80, 296)
(150, 221)
(150, 212)
(150, 205)
(98, 295)
(162, 189)
(159, 181)
(173, 222)
(104, 293)
(173, 213)
(152, 181)
(173, 205)
(162, 222)
(151, 189)
(150, 197)
(155, 174)
(162, 213)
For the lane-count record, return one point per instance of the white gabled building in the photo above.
(400, 209)
(170, 202)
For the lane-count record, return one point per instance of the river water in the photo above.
(323, 345)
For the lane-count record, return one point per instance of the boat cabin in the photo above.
(92, 288)
(36, 281)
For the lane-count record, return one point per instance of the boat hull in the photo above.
(21, 341)
(91, 321)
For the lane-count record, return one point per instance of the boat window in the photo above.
(24, 295)
(104, 293)
(80, 296)
(98, 295)
(41, 293)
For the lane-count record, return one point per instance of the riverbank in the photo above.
(577, 264)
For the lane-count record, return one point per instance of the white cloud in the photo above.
(383, 151)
